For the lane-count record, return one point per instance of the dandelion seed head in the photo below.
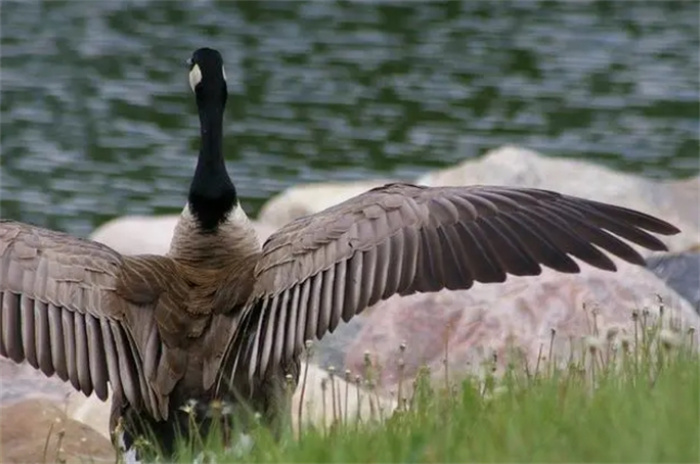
(189, 406)
(611, 333)
(669, 339)
(625, 343)
(593, 343)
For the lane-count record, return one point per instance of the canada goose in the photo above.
(220, 317)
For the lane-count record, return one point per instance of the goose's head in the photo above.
(207, 75)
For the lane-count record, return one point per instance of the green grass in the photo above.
(639, 403)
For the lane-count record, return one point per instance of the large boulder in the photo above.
(674, 201)
(39, 431)
(467, 327)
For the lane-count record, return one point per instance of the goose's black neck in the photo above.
(212, 194)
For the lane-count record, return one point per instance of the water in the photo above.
(98, 120)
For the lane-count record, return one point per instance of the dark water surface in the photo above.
(98, 119)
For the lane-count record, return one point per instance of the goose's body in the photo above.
(221, 317)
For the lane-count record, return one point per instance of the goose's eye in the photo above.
(195, 76)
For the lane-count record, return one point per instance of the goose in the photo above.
(223, 317)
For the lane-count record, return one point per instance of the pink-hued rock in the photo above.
(518, 314)
(37, 430)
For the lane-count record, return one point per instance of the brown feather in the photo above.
(97, 361)
(28, 331)
(69, 347)
(58, 353)
(82, 357)
(42, 337)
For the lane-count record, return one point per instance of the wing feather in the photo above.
(573, 242)
(42, 337)
(69, 347)
(126, 367)
(325, 306)
(314, 307)
(339, 282)
(452, 258)
(369, 268)
(394, 263)
(304, 304)
(293, 322)
(11, 327)
(82, 361)
(481, 259)
(58, 353)
(268, 339)
(111, 356)
(408, 270)
(28, 331)
(510, 253)
(96, 355)
(279, 335)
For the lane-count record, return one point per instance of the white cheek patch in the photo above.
(223, 71)
(195, 76)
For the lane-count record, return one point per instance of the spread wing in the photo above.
(403, 239)
(65, 310)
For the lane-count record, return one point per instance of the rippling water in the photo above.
(98, 120)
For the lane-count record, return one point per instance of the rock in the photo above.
(305, 199)
(39, 431)
(331, 349)
(318, 407)
(89, 410)
(19, 381)
(681, 272)
(517, 314)
(131, 235)
(674, 201)
(320, 410)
